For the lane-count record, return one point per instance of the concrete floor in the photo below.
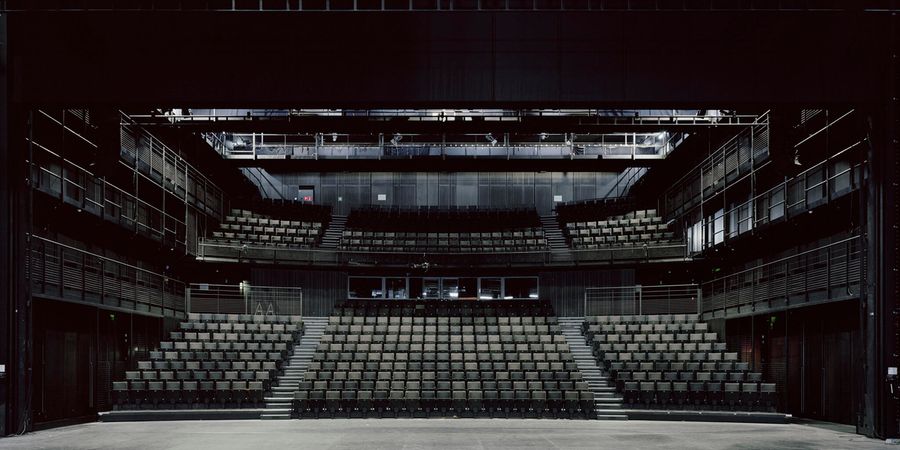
(438, 433)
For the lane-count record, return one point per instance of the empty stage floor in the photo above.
(438, 433)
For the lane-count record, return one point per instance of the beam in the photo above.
(437, 164)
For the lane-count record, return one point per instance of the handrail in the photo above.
(784, 259)
(94, 255)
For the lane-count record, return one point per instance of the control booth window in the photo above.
(364, 287)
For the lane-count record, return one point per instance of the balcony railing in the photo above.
(244, 299)
(827, 273)
(631, 300)
(63, 272)
(325, 257)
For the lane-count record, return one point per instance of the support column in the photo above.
(879, 305)
(15, 215)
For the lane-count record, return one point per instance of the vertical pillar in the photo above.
(15, 301)
(879, 306)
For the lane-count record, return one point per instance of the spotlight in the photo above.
(543, 136)
(396, 139)
(490, 138)
(797, 159)
(333, 137)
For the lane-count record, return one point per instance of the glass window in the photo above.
(468, 288)
(396, 288)
(450, 288)
(361, 287)
(521, 288)
(415, 288)
(490, 289)
(431, 288)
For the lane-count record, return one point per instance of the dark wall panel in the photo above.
(565, 289)
(813, 354)
(345, 190)
(322, 290)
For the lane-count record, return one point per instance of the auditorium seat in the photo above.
(211, 368)
(637, 228)
(444, 358)
(443, 230)
(244, 227)
(674, 361)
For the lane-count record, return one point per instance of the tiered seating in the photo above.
(641, 227)
(443, 230)
(245, 227)
(459, 358)
(674, 361)
(215, 360)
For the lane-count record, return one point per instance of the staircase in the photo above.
(279, 403)
(334, 232)
(559, 247)
(608, 402)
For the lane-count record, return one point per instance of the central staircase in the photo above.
(335, 231)
(278, 404)
(608, 402)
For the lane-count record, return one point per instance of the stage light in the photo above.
(490, 138)
(396, 139)
(333, 137)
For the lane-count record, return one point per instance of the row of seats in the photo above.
(455, 373)
(476, 337)
(431, 366)
(224, 365)
(246, 228)
(710, 395)
(262, 376)
(175, 393)
(648, 355)
(638, 228)
(440, 403)
(527, 368)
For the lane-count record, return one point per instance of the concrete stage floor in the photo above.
(440, 433)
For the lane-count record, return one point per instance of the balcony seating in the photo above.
(213, 361)
(443, 230)
(245, 227)
(674, 362)
(456, 358)
(638, 228)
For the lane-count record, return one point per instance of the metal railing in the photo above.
(829, 272)
(64, 272)
(637, 299)
(212, 251)
(244, 299)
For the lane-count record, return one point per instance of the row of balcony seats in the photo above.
(244, 227)
(649, 355)
(387, 365)
(514, 240)
(212, 361)
(641, 227)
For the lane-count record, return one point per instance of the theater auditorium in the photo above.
(449, 224)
